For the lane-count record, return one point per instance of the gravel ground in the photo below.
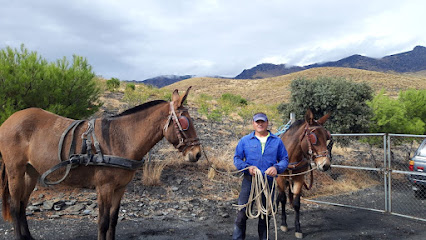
(190, 212)
(188, 205)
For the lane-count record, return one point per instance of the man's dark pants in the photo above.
(241, 219)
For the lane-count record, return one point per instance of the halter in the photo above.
(184, 141)
(310, 137)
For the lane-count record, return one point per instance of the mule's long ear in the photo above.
(178, 100)
(324, 118)
(175, 96)
(309, 117)
(182, 100)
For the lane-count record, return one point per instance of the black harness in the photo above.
(86, 157)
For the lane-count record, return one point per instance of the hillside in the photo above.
(162, 81)
(277, 89)
(411, 61)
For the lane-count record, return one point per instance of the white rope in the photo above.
(254, 206)
(296, 174)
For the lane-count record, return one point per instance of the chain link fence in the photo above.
(371, 171)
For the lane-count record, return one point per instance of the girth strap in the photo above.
(95, 160)
(72, 126)
(86, 157)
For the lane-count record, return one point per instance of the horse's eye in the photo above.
(312, 138)
(184, 122)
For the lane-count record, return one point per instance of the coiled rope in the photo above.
(255, 207)
(259, 187)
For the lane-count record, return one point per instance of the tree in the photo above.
(407, 114)
(346, 100)
(28, 80)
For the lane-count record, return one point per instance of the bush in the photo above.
(234, 100)
(113, 84)
(64, 88)
(131, 86)
(345, 99)
(407, 114)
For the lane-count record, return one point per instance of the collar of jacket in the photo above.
(270, 134)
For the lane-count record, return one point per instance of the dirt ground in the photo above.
(324, 222)
(188, 205)
(209, 216)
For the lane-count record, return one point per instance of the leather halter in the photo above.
(314, 154)
(184, 141)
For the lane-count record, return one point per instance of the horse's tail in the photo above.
(4, 183)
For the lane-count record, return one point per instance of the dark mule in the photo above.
(305, 141)
(29, 142)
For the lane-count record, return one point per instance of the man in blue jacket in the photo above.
(258, 150)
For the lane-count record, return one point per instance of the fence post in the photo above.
(385, 185)
(292, 117)
(389, 172)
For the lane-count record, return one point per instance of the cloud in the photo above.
(141, 39)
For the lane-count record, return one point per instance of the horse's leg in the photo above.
(104, 204)
(31, 177)
(116, 199)
(297, 190)
(18, 201)
(282, 198)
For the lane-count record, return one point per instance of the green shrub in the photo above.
(407, 114)
(113, 84)
(215, 115)
(28, 80)
(346, 100)
(234, 100)
(130, 86)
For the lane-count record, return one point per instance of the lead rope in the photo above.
(256, 193)
(259, 188)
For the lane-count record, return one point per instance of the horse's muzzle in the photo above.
(193, 154)
(323, 163)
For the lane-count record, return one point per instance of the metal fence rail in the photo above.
(372, 173)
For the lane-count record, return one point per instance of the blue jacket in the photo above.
(249, 153)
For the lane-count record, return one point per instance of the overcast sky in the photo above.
(138, 39)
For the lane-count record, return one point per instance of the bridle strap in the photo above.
(314, 154)
(184, 141)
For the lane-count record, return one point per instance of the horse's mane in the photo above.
(139, 108)
(295, 125)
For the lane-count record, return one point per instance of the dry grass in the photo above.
(277, 89)
(152, 173)
(153, 169)
(220, 159)
(349, 181)
(340, 150)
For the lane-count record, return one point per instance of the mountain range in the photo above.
(411, 61)
(162, 81)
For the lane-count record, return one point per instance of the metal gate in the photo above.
(370, 171)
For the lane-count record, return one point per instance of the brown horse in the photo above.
(29, 145)
(305, 141)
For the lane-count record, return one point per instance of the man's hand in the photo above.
(252, 170)
(271, 171)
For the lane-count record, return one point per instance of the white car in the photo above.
(418, 164)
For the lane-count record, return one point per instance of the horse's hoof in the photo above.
(298, 235)
(284, 228)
